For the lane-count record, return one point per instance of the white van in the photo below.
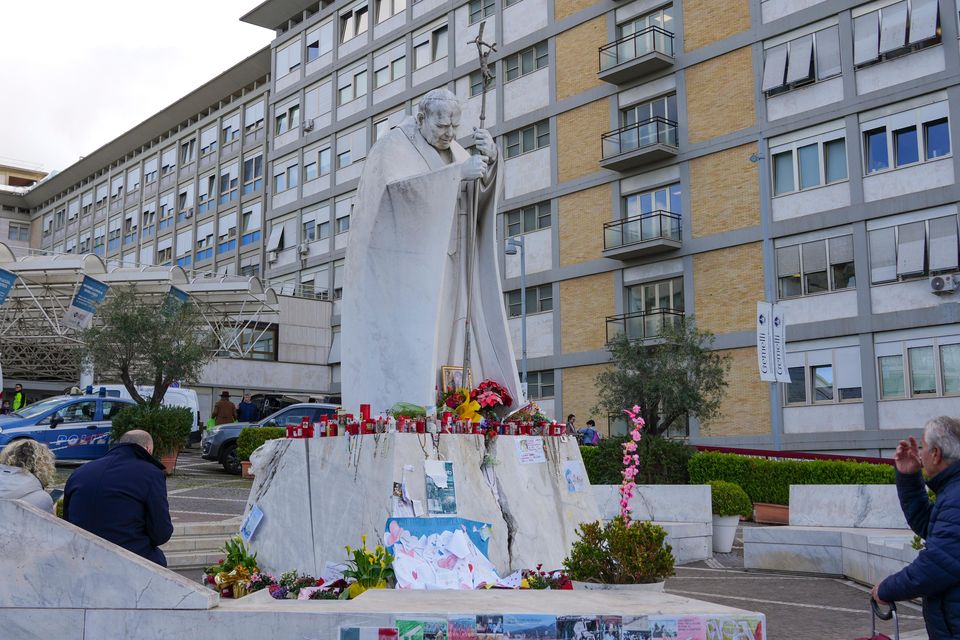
(175, 397)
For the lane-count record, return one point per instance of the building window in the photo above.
(288, 59)
(919, 371)
(895, 30)
(824, 378)
(229, 183)
(386, 9)
(539, 300)
(252, 174)
(287, 178)
(801, 61)
(652, 298)
(230, 129)
(809, 163)
(524, 62)
(476, 82)
(309, 231)
(907, 138)
(480, 9)
(319, 41)
(18, 232)
(355, 88)
(529, 218)
(353, 23)
(253, 116)
(528, 139)
(206, 201)
(323, 230)
(208, 141)
(431, 49)
(394, 70)
(250, 270)
(150, 171)
(251, 343)
(815, 267)
(188, 151)
(540, 385)
(914, 249)
(343, 224)
(821, 378)
(287, 119)
(647, 202)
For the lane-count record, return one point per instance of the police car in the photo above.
(73, 427)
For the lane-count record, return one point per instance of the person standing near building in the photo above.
(571, 427)
(935, 574)
(224, 412)
(590, 435)
(19, 398)
(122, 497)
(246, 410)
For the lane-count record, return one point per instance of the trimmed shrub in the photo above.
(767, 480)
(169, 426)
(728, 499)
(251, 438)
(618, 553)
(661, 461)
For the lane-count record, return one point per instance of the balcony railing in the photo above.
(640, 235)
(635, 144)
(636, 55)
(642, 325)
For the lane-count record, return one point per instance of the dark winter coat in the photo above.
(122, 497)
(935, 574)
(247, 412)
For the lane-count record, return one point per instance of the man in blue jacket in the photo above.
(122, 497)
(935, 574)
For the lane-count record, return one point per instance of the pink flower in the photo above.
(636, 435)
(626, 459)
(630, 446)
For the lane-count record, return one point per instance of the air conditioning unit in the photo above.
(271, 256)
(303, 249)
(944, 283)
(308, 124)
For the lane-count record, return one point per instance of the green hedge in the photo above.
(767, 480)
(169, 426)
(661, 461)
(252, 437)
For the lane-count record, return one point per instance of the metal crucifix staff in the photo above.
(484, 50)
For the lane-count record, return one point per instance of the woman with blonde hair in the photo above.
(26, 469)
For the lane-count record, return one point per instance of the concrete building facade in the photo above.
(662, 159)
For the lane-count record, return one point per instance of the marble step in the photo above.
(226, 528)
(212, 542)
(192, 559)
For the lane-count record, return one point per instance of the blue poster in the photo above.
(85, 302)
(7, 280)
(478, 532)
(178, 295)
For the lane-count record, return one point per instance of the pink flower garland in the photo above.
(631, 460)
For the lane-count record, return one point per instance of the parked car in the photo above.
(174, 397)
(73, 427)
(220, 443)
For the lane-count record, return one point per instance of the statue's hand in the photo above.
(474, 167)
(485, 144)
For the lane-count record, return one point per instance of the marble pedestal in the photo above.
(320, 495)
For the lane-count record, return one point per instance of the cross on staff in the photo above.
(484, 49)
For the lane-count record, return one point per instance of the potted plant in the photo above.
(730, 502)
(250, 439)
(620, 553)
(168, 426)
(368, 569)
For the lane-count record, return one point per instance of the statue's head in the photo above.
(439, 117)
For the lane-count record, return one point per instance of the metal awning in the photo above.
(35, 345)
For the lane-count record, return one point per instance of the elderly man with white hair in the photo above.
(412, 245)
(935, 574)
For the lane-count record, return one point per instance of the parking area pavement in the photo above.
(796, 606)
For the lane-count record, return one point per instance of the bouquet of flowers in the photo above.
(369, 569)
(490, 396)
(259, 581)
(540, 579)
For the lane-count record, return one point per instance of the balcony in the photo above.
(641, 235)
(638, 144)
(636, 55)
(642, 325)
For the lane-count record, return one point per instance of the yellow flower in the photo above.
(524, 584)
(468, 410)
(363, 538)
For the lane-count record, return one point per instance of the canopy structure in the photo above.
(36, 345)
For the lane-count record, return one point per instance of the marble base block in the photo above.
(47, 563)
(320, 495)
(874, 506)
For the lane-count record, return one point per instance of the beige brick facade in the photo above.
(727, 283)
(746, 406)
(564, 8)
(720, 96)
(581, 216)
(709, 21)
(724, 191)
(578, 139)
(580, 394)
(576, 57)
(584, 305)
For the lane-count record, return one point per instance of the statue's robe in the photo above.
(404, 291)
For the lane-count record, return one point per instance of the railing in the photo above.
(642, 325)
(643, 228)
(793, 455)
(649, 40)
(656, 130)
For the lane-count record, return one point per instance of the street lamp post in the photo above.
(512, 246)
